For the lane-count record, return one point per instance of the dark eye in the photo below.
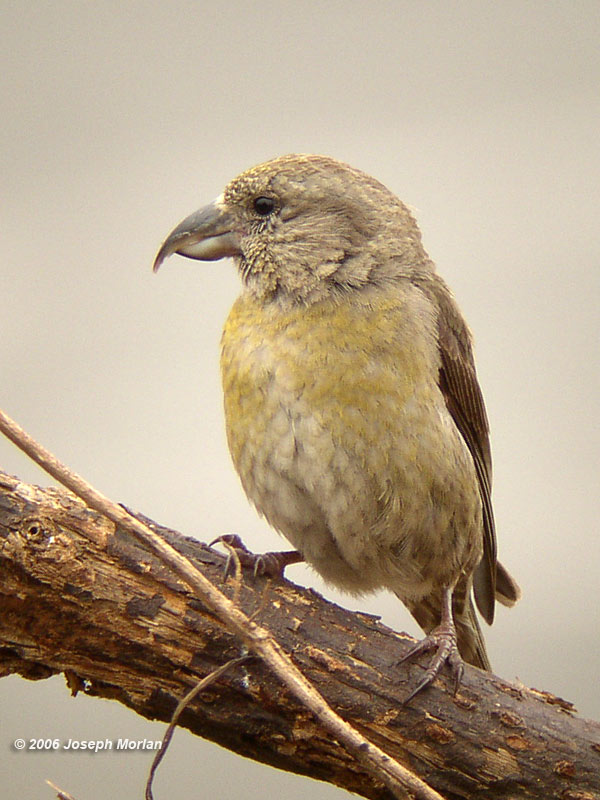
(264, 206)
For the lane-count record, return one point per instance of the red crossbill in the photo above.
(353, 412)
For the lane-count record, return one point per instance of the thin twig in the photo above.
(210, 678)
(397, 778)
(60, 793)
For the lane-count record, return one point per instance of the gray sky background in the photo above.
(119, 119)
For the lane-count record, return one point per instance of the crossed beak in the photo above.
(207, 235)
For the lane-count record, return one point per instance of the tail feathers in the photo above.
(471, 643)
(507, 589)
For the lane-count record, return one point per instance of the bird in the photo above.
(353, 413)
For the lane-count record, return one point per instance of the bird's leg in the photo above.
(270, 565)
(443, 639)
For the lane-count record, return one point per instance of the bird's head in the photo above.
(302, 227)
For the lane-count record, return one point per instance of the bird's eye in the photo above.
(263, 206)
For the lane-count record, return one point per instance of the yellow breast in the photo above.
(339, 431)
(354, 365)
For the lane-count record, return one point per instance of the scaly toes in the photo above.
(270, 565)
(443, 640)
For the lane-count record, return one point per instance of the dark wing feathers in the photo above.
(458, 383)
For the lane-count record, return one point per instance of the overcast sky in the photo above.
(119, 119)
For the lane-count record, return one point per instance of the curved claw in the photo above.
(232, 539)
(232, 542)
(443, 640)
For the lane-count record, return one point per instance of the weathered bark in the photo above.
(78, 596)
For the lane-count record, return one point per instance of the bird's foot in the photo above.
(270, 565)
(444, 641)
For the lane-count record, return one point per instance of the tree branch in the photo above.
(396, 777)
(79, 596)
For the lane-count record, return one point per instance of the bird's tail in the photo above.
(507, 589)
(471, 643)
